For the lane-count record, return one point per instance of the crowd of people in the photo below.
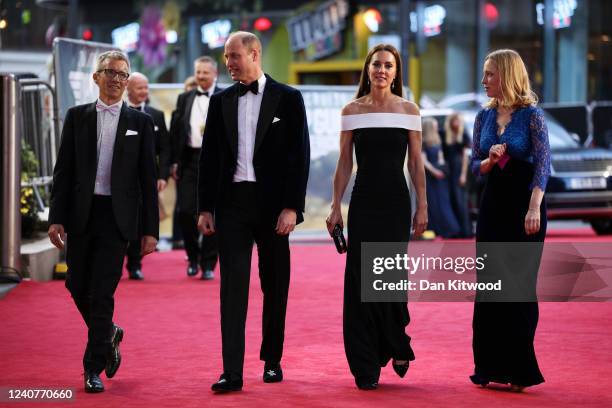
(241, 160)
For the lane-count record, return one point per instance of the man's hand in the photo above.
(56, 235)
(174, 171)
(286, 221)
(206, 223)
(148, 244)
(161, 185)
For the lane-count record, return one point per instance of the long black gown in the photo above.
(504, 332)
(379, 211)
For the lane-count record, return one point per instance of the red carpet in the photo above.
(171, 350)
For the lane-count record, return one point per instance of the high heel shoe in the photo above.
(516, 388)
(401, 369)
(366, 384)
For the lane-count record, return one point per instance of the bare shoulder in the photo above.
(352, 108)
(409, 107)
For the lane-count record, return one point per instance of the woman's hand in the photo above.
(462, 180)
(438, 174)
(496, 152)
(532, 221)
(334, 217)
(420, 221)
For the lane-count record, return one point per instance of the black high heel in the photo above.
(366, 384)
(401, 369)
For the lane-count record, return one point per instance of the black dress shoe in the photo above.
(272, 373)
(207, 274)
(227, 384)
(192, 269)
(136, 274)
(114, 358)
(401, 369)
(478, 380)
(366, 383)
(93, 382)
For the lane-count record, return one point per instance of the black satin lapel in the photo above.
(122, 127)
(230, 116)
(91, 135)
(188, 105)
(269, 103)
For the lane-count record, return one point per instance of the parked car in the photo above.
(580, 185)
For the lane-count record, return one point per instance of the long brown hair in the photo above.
(452, 136)
(364, 80)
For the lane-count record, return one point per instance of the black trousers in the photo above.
(134, 259)
(200, 249)
(239, 223)
(95, 260)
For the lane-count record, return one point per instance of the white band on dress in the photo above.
(381, 120)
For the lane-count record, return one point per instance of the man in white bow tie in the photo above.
(104, 188)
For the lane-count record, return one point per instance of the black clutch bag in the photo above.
(339, 240)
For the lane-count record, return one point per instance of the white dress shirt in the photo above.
(197, 120)
(106, 131)
(248, 113)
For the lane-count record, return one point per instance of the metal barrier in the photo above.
(573, 117)
(601, 117)
(11, 165)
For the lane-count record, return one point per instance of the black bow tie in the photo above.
(198, 93)
(136, 107)
(243, 89)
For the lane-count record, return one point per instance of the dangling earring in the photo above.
(368, 81)
(393, 84)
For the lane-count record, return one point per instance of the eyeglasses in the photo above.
(112, 74)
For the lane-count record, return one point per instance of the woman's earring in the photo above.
(393, 84)
(368, 81)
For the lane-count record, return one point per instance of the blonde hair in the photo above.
(514, 81)
(453, 137)
(431, 137)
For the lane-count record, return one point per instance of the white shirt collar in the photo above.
(210, 90)
(114, 104)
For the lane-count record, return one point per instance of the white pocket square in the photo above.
(156, 128)
(131, 132)
(275, 120)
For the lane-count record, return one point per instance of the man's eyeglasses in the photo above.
(112, 74)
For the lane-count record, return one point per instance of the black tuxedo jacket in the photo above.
(180, 126)
(281, 157)
(133, 177)
(162, 142)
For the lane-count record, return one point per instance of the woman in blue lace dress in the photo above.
(510, 146)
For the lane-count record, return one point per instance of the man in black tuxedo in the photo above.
(138, 95)
(252, 185)
(186, 131)
(103, 189)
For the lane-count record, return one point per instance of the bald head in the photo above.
(137, 88)
(243, 56)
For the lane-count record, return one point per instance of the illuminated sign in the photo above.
(433, 18)
(126, 37)
(215, 34)
(563, 10)
(318, 33)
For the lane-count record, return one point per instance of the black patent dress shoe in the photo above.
(192, 269)
(272, 373)
(401, 369)
(93, 382)
(478, 380)
(114, 358)
(366, 383)
(136, 274)
(227, 384)
(208, 274)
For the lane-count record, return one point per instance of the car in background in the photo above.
(580, 184)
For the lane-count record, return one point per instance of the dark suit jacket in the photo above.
(281, 157)
(179, 126)
(162, 142)
(133, 177)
